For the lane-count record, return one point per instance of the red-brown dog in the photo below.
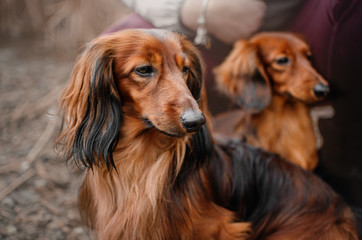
(272, 79)
(136, 118)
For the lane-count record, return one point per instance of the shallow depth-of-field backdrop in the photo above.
(39, 41)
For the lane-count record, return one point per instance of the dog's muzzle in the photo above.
(321, 90)
(192, 120)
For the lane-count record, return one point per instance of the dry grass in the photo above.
(61, 23)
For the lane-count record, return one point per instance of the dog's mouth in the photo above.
(149, 124)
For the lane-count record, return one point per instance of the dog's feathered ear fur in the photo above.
(242, 77)
(195, 80)
(92, 108)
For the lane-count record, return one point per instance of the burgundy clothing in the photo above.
(333, 28)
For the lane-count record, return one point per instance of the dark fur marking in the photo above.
(92, 139)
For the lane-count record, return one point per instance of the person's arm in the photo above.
(161, 13)
(227, 20)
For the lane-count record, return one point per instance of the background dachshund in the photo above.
(135, 117)
(271, 78)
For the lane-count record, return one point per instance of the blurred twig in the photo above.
(15, 184)
(35, 13)
(64, 24)
(42, 141)
(50, 207)
(72, 22)
(34, 108)
(30, 158)
(10, 167)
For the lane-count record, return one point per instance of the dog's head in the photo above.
(270, 63)
(152, 78)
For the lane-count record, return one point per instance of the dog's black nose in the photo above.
(321, 90)
(192, 120)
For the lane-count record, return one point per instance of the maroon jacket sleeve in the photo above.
(334, 30)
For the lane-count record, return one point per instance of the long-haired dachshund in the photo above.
(135, 116)
(271, 78)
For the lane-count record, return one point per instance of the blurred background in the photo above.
(39, 41)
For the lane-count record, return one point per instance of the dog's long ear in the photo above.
(195, 79)
(92, 108)
(243, 78)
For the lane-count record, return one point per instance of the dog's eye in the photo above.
(282, 61)
(309, 56)
(145, 71)
(185, 70)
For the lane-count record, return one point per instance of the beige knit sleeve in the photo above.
(161, 13)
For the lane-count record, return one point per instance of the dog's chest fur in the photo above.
(292, 136)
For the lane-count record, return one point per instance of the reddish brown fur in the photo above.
(279, 121)
(141, 198)
(130, 203)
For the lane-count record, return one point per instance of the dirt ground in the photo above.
(37, 190)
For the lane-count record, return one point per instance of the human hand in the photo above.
(227, 20)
